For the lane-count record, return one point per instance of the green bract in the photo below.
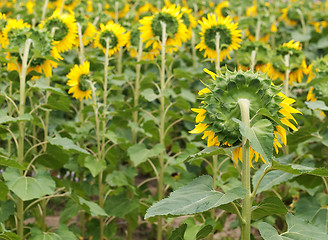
(222, 107)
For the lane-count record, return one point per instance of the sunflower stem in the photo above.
(215, 176)
(44, 10)
(244, 105)
(286, 81)
(193, 49)
(253, 61)
(21, 136)
(116, 11)
(81, 53)
(9, 111)
(160, 186)
(218, 50)
(137, 91)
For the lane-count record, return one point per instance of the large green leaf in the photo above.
(41, 84)
(210, 151)
(298, 229)
(8, 119)
(95, 166)
(11, 163)
(204, 232)
(269, 206)
(9, 236)
(61, 234)
(66, 144)
(28, 188)
(270, 179)
(178, 234)
(138, 153)
(300, 169)
(121, 205)
(7, 209)
(260, 137)
(90, 207)
(3, 191)
(198, 196)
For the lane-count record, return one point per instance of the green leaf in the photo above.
(58, 102)
(7, 209)
(121, 205)
(317, 105)
(210, 151)
(300, 169)
(149, 94)
(260, 137)
(138, 153)
(3, 191)
(269, 206)
(8, 119)
(54, 158)
(66, 144)
(28, 188)
(41, 84)
(178, 234)
(90, 207)
(268, 232)
(270, 179)
(298, 229)
(11, 163)
(203, 233)
(61, 234)
(95, 166)
(9, 236)
(198, 196)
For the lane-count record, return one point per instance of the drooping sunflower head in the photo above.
(63, 29)
(151, 28)
(114, 34)
(148, 53)
(120, 7)
(220, 107)
(41, 50)
(297, 65)
(222, 9)
(14, 34)
(188, 20)
(145, 10)
(244, 55)
(79, 81)
(3, 23)
(228, 32)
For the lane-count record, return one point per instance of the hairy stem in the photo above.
(246, 178)
(218, 51)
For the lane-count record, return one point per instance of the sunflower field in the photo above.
(163, 120)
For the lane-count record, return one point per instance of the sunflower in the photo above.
(88, 33)
(151, 28)
(277, 69)
(3, 23)
(133, 44)
(229, 36)
(40, 50)
(64, 30)
(188, 20)
(289, 16)
(145, 10)
(68, 5)
(78, 80)
(220, 106)
(115, 33)
(222, 9)
(123, 9)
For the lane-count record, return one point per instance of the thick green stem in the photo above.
(218, 51)
(193, 49)
(116, 11)
(21, 127)
(44, 9)
(9, 111)
(81, 53)
(246, 178)
(137, 91)
(215, 176)
(286, 81)
(160, 188)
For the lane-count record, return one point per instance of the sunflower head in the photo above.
(188, 20)
(114, 34)
(245, 51)
(122, 8)
(228, 32)
(79, 81)
(222, 9)
(297, 65)
(145, 10)
(220, 107)
(151, 28)
(63, 29)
